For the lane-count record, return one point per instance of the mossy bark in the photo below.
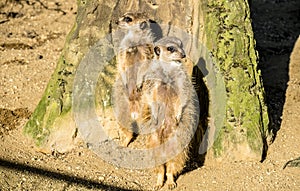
(228, 26)
(223, 27)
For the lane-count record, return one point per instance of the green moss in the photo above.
(230, 38)
(55, 101)
(57, 98)
(218, 146)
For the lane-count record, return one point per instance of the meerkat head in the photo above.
(138, 21)
(169, 49)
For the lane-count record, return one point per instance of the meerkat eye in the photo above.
(143, 25)
(171, 49)
(128, 19)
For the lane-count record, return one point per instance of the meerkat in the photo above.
(167, 68)
(136, 48)
(165, 85)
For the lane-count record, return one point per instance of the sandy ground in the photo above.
(32, 36)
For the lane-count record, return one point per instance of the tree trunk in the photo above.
(228, 26)
(220, 43)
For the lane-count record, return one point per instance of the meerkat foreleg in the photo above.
(155, 107)
(139, 81)
(183, 98)
(178, 109)
(141, 75)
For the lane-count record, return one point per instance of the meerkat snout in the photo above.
(173, 49)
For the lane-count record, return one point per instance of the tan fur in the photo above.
(166, 86)
(136, 48)
(168, 69)
(173, 167)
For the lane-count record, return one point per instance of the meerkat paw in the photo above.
(178, 118)
(171, 185)
(170, 181)
(139, 83)
(139, 86)
(154, 120)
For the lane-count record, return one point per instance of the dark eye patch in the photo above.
(171, 49)
(128, 19)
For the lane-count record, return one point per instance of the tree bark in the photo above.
(221, 44)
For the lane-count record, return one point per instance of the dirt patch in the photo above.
(32, 35)
(9, 119)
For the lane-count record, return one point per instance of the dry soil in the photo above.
(32, 35)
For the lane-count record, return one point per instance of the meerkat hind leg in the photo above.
(128, 137)
(160, 177)
(171, 172)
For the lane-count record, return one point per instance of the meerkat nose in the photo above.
(183, 56)
(117, 22)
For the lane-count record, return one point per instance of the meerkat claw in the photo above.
(178, 118)
(157, 187)
(172, 186)
(126, 142)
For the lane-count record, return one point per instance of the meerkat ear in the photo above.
(143, 25)
(157, 50)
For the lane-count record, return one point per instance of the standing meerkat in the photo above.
(167, 89)
(136, 48)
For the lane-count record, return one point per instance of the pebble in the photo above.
(100, 178)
